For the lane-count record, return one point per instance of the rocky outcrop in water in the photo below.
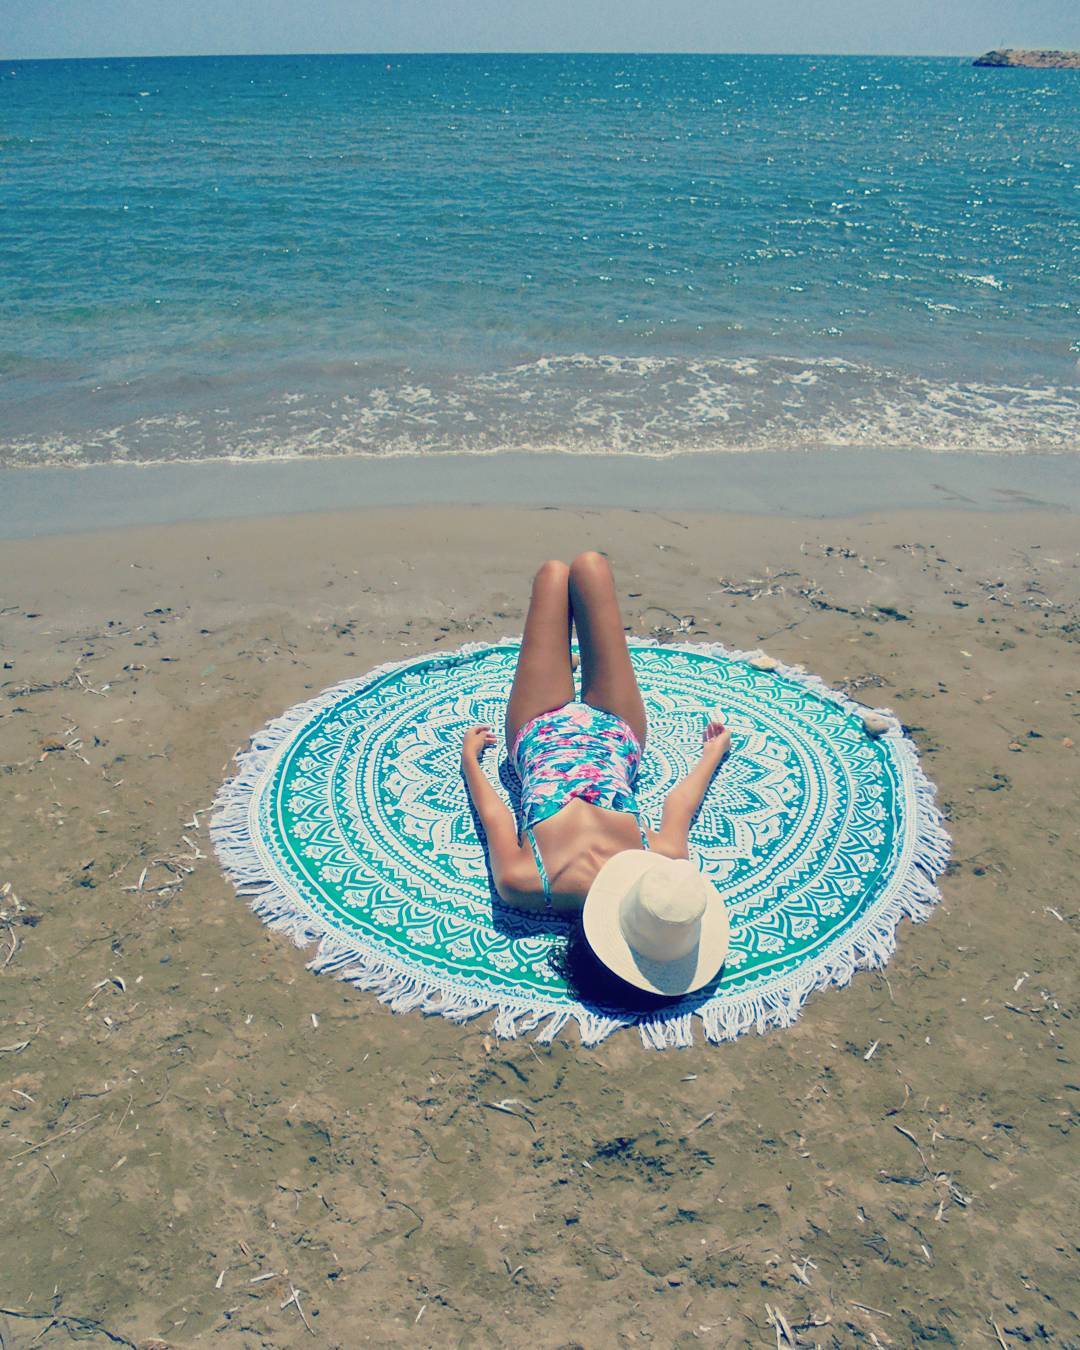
(1015, 56)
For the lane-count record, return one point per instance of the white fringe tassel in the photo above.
(913, 896)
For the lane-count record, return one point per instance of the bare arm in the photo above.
(684, 800)
(512, 866)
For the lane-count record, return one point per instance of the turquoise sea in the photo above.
(292, 256)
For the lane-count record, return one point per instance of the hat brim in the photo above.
(603, 932)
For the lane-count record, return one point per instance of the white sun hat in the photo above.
(656, 922)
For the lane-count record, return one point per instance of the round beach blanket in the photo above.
(348, 825)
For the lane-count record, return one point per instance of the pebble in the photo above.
(876, 725)
(764, 663)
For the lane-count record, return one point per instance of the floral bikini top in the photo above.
(575, 751)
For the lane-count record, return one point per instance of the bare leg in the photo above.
(543, 679)
(607, 673)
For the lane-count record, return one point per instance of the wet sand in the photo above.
(827, 483)
(182, 1147)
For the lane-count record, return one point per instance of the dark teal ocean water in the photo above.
(266, 257)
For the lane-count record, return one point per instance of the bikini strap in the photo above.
(539, 866)
(644, 836)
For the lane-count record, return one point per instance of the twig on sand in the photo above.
(70, 1324)
(443, 1162)
(895, 1110)
(908, 1135)
(294, 1297)
(767, 637)
(867, 1308)
(998, 1334)
(780, 1325)
(401, 1204)
(800, 1270)
(506, 1105)
(46, 1142)
(124, 1116)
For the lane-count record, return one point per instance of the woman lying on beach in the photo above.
(578, 761)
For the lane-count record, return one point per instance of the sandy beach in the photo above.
(202, 1143)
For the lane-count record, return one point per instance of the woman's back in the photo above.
(576, 842)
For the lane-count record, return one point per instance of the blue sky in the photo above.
(42, 28)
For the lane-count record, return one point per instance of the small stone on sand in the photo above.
(764, 663)
(876, 725)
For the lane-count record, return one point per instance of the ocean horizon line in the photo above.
(376, 55)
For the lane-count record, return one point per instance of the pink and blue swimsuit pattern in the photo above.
(575, 751)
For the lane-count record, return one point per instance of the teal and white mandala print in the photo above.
(348, 825)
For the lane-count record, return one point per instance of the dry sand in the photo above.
(181, 1147)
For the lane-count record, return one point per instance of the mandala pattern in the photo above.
(350, 824)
